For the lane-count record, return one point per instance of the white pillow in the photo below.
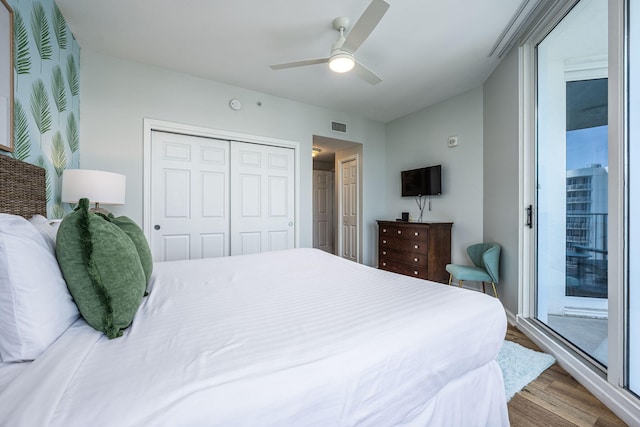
(47, 228)
(35, 305)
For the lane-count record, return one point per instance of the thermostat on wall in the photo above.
(234, 104)
(452, 141)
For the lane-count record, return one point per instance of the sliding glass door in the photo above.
(633, 294)
(572, 178)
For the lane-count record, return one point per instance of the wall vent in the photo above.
(338, 127)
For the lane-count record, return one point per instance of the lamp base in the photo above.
(100, 211)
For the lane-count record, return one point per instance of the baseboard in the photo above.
(619, 400)
(511, 318)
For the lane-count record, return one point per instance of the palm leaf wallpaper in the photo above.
(40, 31)
(60, 26)
(46, 93)
(73, 134)
(40, 108)
(21, 55)
(21, 141)
(72, 75)
(58, 154)
(58, 89)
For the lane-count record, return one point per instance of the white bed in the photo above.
(291, 338)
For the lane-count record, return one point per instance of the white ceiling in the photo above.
(424, 50)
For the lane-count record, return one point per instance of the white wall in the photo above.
(501, 172)
(419, 140)
(116, 95)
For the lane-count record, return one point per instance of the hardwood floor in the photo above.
(555, 398)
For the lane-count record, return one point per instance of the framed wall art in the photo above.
(6, 77)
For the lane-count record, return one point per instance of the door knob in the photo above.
(156, 227)
(290, 223)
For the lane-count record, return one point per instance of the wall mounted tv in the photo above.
(422, 182)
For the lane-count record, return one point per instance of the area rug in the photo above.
(520, 366)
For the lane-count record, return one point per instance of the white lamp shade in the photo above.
(99, 187)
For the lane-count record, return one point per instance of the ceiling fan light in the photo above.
(341, 63)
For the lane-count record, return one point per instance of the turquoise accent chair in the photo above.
(486, 260)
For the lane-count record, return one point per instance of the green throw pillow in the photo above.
(137, 236)
(101, 266)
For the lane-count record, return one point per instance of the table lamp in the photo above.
(99, 187)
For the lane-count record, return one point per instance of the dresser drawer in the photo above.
(402, 232)
(411, 258)
(400, 244)
(402, 268)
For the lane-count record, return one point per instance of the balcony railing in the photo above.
(587, 256)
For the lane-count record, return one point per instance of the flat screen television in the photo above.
(422, 182)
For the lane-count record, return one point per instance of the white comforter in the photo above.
(291, 338)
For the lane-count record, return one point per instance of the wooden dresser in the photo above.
(418, 249)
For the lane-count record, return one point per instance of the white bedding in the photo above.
(291, 338)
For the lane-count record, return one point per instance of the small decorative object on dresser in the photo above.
(419, 249)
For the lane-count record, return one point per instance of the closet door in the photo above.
(262, 198)
(189, 197)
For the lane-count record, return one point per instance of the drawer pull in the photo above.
(384, 241)
(399, 231)
(384, 252)
(415, 259)
(384, 230)
(384, 264)
(416, 233)
(415, 272)
(416, 246)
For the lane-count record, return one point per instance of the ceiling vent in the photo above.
(338, 127)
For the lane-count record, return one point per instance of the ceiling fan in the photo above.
(341, 58)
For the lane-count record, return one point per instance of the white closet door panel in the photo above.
(249, 158)
(250, 242)
(177, 198)
(189, 196)
(278, 240)
(214, 194)
(214, 155)
(278, 197)
(250, 194)
(175, 247)
(212, 245)
(262, 201)
(278, 161)
(180, 152)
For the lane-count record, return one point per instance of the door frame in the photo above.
(338, 223)
(150, 125)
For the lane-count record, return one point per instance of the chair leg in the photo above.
(450, 279)
(459, 283)
(484, 290)
(495, 292)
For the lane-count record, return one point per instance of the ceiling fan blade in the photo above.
(365, 25)
(366, 74)
(299, 63)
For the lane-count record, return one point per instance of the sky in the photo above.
(587, 146)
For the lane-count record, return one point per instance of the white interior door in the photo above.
(323, 210)
(262, 198)
(189, 197)
(349, 209)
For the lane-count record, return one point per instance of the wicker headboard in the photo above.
(22, 188)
